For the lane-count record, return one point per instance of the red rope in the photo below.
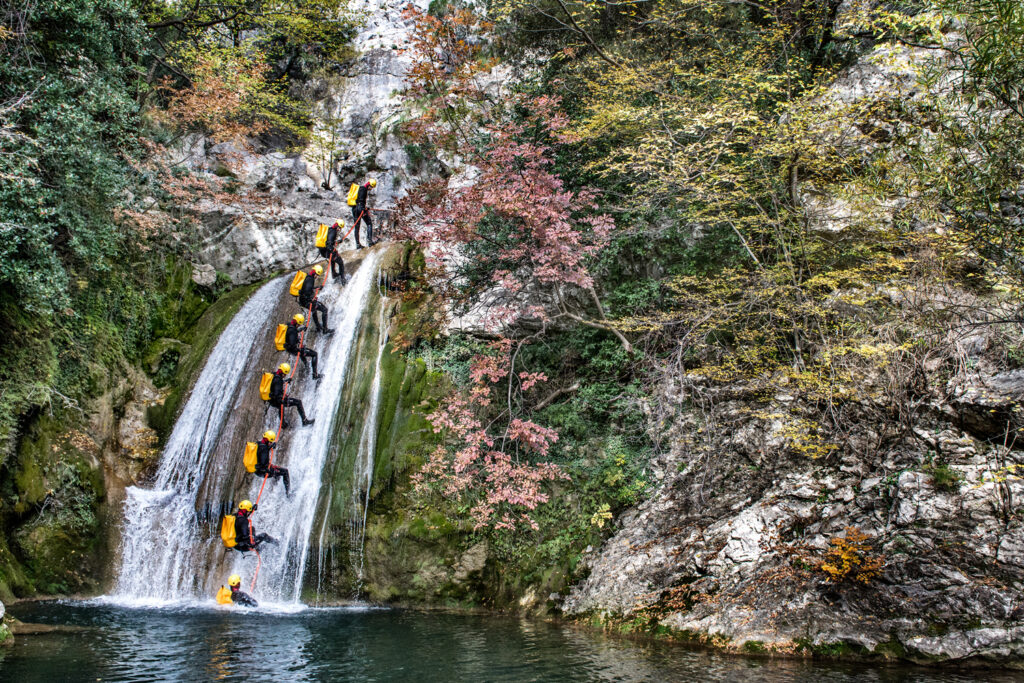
(259, 561)
(292, 374)
(358, 218)
(280, 422)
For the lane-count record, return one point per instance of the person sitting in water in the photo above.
(246, 537)
(235, 595)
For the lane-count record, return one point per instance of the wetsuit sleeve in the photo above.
(243, 599)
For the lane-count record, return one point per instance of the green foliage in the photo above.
(944, 477)
(298, 33)
(602, 447)
(69, 123)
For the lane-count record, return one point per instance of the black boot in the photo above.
(306, 423)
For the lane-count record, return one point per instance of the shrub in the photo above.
(849, 559)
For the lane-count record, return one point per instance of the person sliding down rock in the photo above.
(330, 252)
(308, 300)
(357, 198)
(264, 451)
(246, 537)
(278, 399)
(236, 595)
(294, 346)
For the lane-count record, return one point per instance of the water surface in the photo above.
(202, 643)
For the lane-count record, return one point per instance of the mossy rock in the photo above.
(193, 347)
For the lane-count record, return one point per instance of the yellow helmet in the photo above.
(319, 270)
(285, 368)
(373, 182)
(270, 435)
(245, 505)
(234, 580)
(299, 318)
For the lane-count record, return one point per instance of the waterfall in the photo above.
(304, 450)
(362, 473)
(169, 552)
(161, 533)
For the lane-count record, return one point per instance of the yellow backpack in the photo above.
(224, 596)
(227, 531)
(249, 459)
(353, 194)
(282, 330)
(297, 281)
(268, 377)
(321, 236)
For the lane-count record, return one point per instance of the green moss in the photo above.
(192, 347)
(830, 650)
(891, 649)
(754, 647)
(57, 489)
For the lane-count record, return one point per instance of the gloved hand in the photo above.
(255, 507)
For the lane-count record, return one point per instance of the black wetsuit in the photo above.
(292, 345)
(329, 252)
(263, 466)
(278, 399)
(360, 212)
(308, 302)
(243, 599)
(245, 537)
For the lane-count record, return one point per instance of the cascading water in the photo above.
(161, 535)
(168, 554)
(304, 450)
(362, 474)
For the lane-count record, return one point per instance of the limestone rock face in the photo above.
(731, 544)
(252, 243)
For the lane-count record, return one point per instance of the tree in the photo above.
(325, 143)
(511, 237)
(493, 457)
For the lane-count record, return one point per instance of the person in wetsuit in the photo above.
(246, 537)
(308, 300)
(264, 454)
(360, 212)
(278, 399)
(295, 344)
(330, 252)
(238, 596)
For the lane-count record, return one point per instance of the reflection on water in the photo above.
(200, 644)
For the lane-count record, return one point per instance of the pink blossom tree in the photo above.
(506, 234)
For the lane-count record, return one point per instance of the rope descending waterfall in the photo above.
(280, 422)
